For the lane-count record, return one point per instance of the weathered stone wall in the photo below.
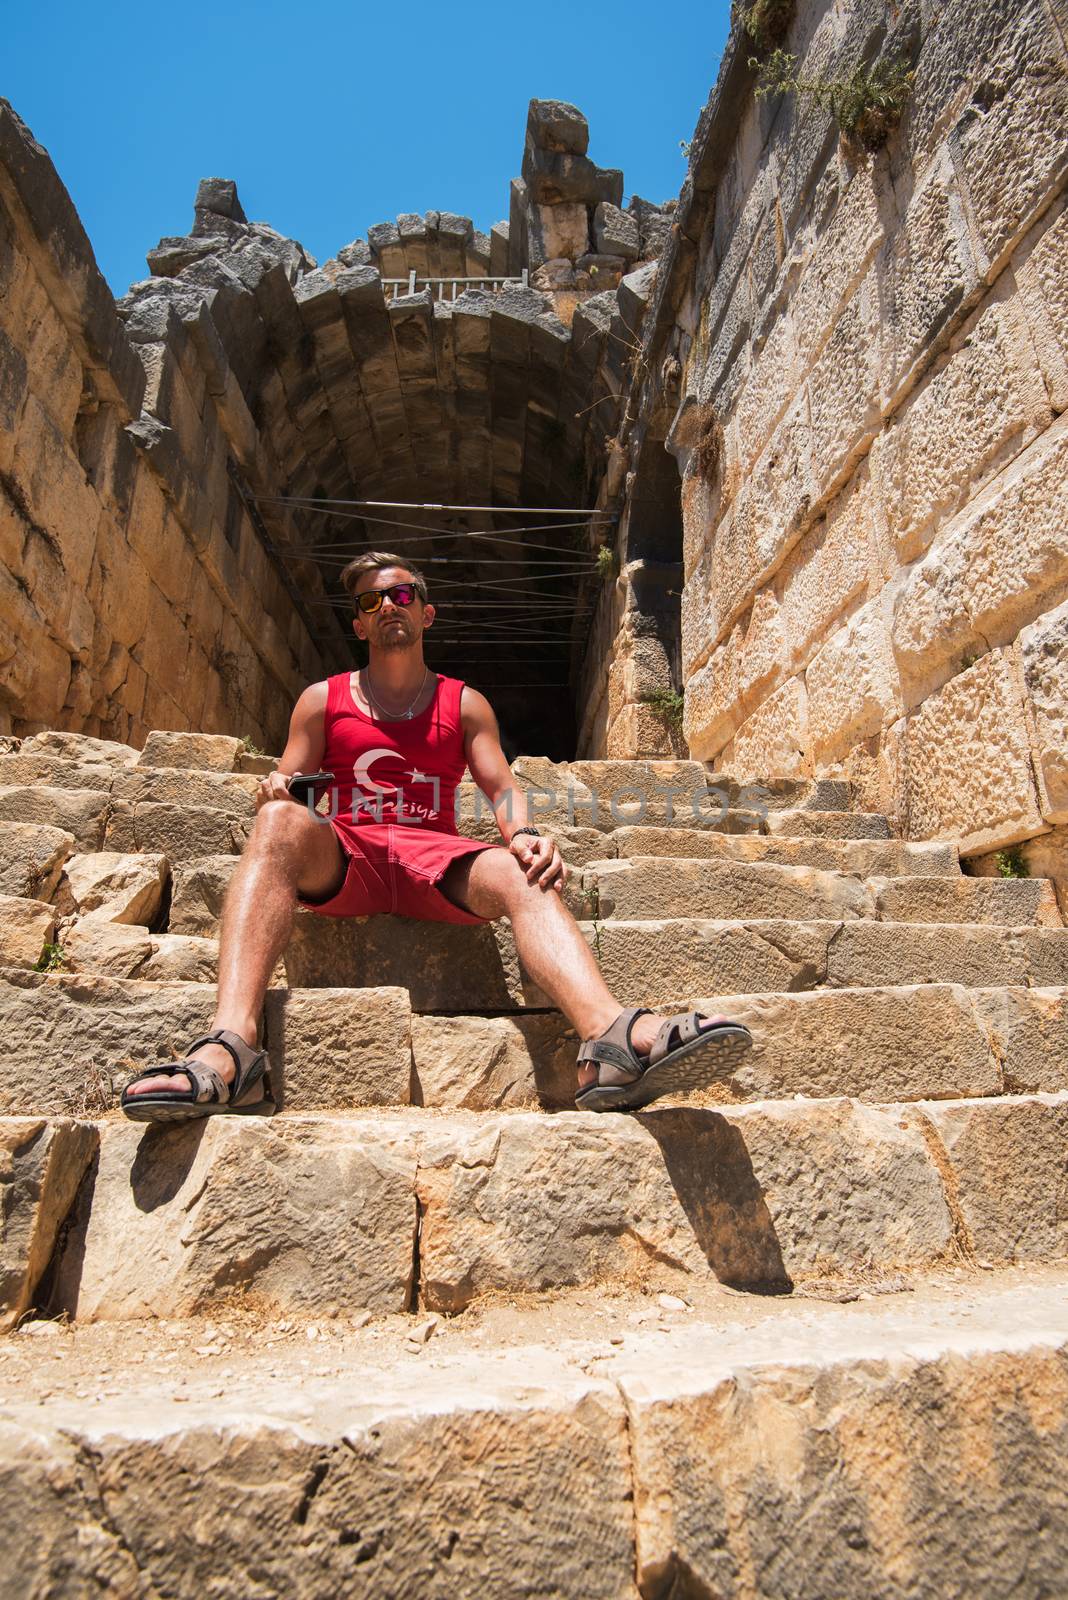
(875, 456)
(134, 591)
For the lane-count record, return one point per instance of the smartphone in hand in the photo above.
(304, 783)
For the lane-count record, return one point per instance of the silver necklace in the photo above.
(399, 716)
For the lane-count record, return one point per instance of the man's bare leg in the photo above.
(287, 852)
(548, 939)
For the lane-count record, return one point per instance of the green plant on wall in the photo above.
(606, 562)
(765, 21)
(668, 705)
(1011, 864)
(867, 106)
(53, 958)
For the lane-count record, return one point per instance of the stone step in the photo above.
(827, 825)
(436, 1209)
(68, 1042)
(200, 883)
(861, 858)
(663, 961)
(648, 962)
(577, 1449)
(72, 1040)
(914, 1042)
(658, 886)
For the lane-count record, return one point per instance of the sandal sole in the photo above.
(696, 1065)
(160, 1111)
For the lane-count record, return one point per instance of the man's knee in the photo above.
(282, 823)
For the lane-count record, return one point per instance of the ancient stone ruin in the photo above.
(750, 506)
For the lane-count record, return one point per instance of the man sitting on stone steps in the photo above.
(395, 739)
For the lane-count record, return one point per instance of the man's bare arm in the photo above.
(491, 772)
(304, 746)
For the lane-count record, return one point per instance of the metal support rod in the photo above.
(309, 501)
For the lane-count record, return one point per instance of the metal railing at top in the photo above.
(448, 288)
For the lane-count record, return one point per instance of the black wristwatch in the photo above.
(534, 831)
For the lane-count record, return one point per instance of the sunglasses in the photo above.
(402, 594)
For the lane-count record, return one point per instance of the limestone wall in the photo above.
(134, 591)
(875, 358)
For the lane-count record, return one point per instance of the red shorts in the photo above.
(396, 868)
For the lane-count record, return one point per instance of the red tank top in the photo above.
(395, 772)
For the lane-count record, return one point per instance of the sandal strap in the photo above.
(613, 1047)
(249, 1063)
(678, 1030)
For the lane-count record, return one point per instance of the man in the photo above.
(396, 739)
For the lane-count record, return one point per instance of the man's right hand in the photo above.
(275, 786)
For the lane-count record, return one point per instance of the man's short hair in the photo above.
(374, 561)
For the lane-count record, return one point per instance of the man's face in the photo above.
(391, 627)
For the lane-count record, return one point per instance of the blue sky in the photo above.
(339, 116)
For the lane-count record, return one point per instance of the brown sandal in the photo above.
(209, 1094)
(684, 1055)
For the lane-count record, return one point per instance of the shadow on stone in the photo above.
(708, 1163)
(163, 1161)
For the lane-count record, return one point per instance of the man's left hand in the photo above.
(540, 860)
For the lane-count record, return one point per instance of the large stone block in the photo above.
(31, 858)
(988, 572)
(476, 1478)
(843, 387)
(851, 684)
(908, 1042)
(770, 385)
(615, 233)
(1013, 156)
(871, 1459)
(1007, 1159)
(557, 125)
(827, 569)
(655, 963)
(486, 1063)
(67, 1040)
(285, 1214)
(839, 260)
(197, 894)
(339, 1048)
(928, 272)
(774, 741)
(122, 888)
(215, 752)
(181, 833)
(1045, 295)
(756, 1195)
(865, 954)
(861, 858)
(230, 792)
(180, 958)
(41, 1167)
(25, 927)
(713, 708)
(1028, 1028)
(967, 419)
(650, 886)
(444, 967)
(113, 949)
(80, 812)
(560, 231)
(1044, 652)
(968, 761)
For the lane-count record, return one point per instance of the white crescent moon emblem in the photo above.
(361, 770)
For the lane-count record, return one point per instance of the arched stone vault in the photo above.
(347, 387)
(177, 468)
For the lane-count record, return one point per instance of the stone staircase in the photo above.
(808, 1321)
